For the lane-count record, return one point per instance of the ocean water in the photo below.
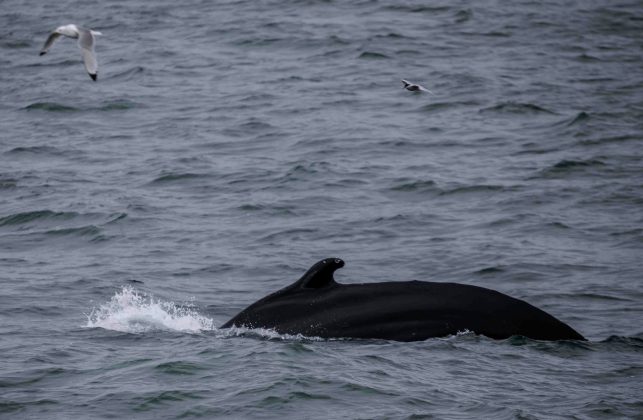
(229, 145)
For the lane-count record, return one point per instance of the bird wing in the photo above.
(86, 44)
(49, 42)
(426, 90)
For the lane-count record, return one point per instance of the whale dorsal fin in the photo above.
(320, 274)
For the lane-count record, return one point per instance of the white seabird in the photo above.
(85, 43)
(415, 87)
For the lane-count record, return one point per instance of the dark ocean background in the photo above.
(229, 145)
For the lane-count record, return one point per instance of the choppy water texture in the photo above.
(229, 145)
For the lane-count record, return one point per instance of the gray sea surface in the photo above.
(229, 145)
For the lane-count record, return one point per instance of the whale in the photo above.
(317, 306)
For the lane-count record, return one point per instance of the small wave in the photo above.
(586, 58)
(391, 35)
(597, 80)
(29, 216)
(598, 296)
(129, 73)
(629, 232)
(90, 230)
(469, 189)
(612, 139)
(155, 400)
(417, 9)
(49, 64)
(118, 105)
(174, 177)
(516, 108)
(565, 165)
(558, 225)
(178, 367)
(371, 55)
(8, 183)
(463, 15)
(304, 170)
(437, 106)
(416, 186)
(490, 270)
(505, 221)
(259, 41)
(277, 210)
(49, 150)
(134, 312)
(559, 347)
(251, 207)
(497, 34)
(337, 40)
(255, 126)
(16, 44)
(50, 107)
(293, 234)
(633, 342)
(115, 217)
(579, 118)
(430, 186)
(407, 52)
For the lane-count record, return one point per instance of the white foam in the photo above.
(265, 334)
(134, 312)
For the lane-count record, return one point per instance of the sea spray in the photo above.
(133, 311)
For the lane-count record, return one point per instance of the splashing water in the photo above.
(134, 312)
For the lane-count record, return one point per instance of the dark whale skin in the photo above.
(317, 306)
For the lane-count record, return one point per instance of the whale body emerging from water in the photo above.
(317, 306)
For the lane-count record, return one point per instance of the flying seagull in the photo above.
(415, 88)
(85, 43)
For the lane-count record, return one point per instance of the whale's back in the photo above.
(402, 311)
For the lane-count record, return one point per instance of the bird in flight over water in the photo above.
(415, 87)
(85, 39)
